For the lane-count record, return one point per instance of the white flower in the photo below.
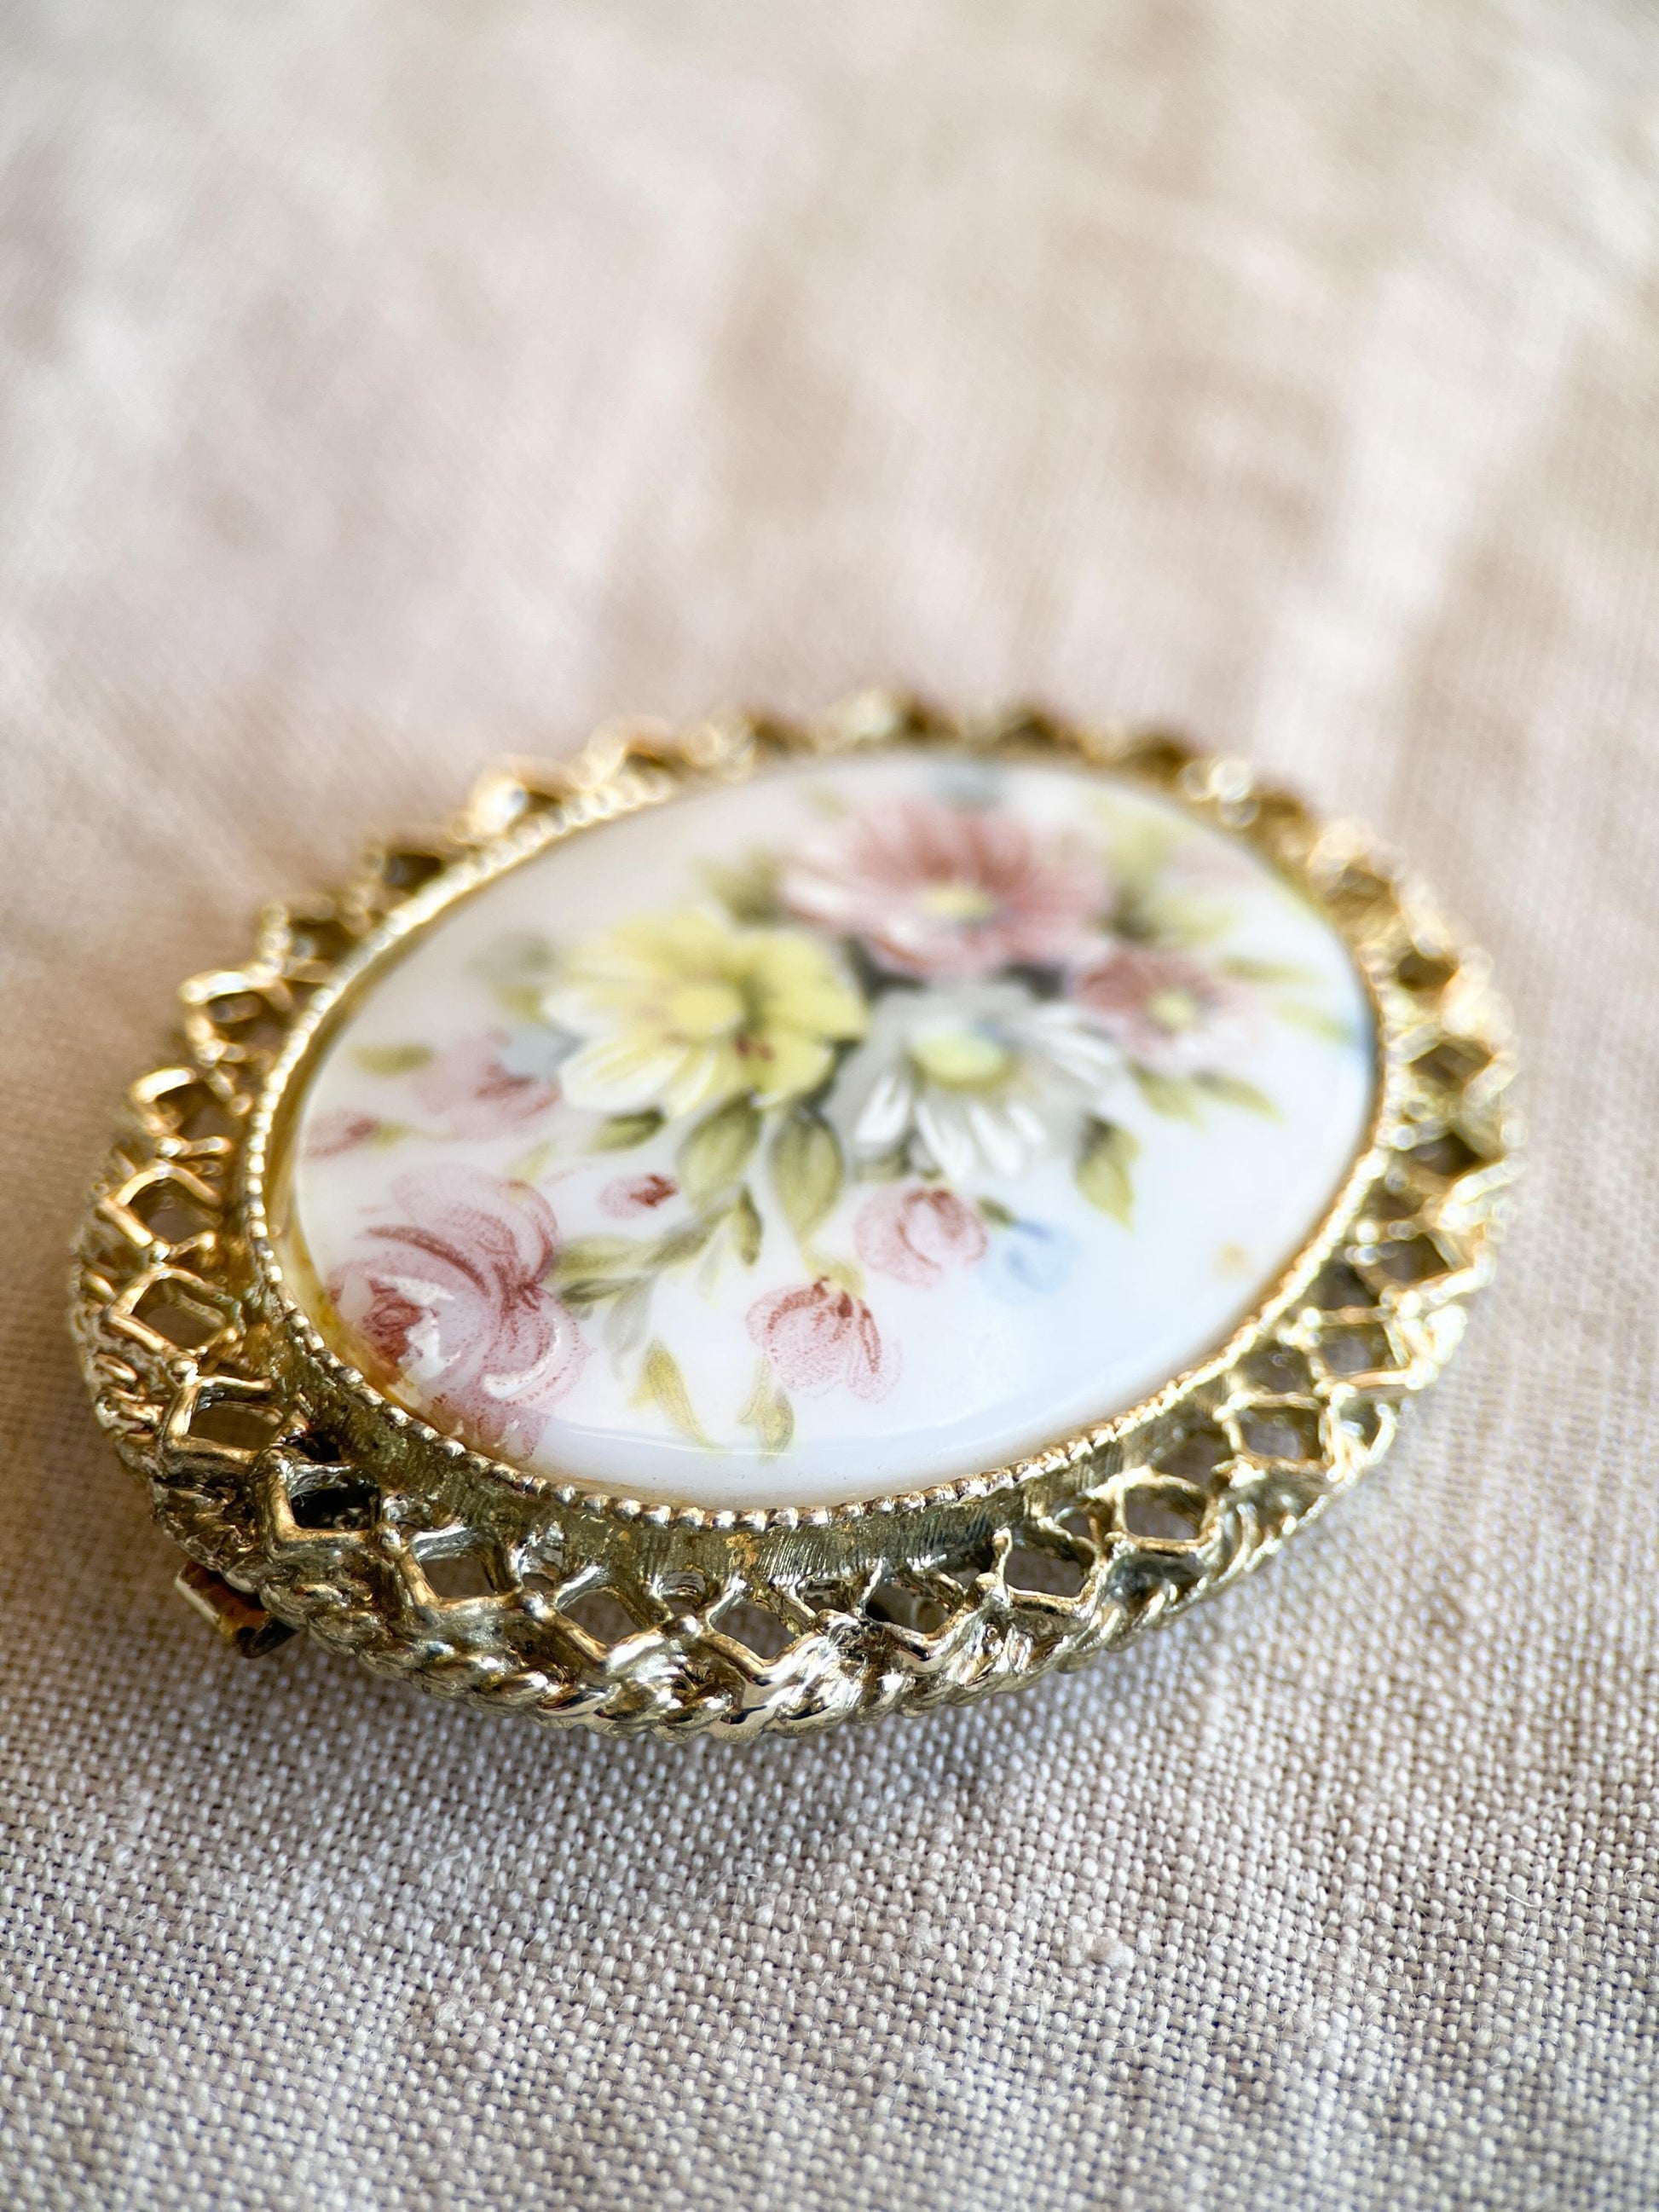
(985, 1075)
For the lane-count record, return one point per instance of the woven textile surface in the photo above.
(386, 389)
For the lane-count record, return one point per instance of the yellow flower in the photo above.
(683, 1010)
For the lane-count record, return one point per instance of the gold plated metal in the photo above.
(306, 1500)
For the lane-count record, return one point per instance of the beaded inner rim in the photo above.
(278, 1467)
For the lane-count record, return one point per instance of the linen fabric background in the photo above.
(390, 387)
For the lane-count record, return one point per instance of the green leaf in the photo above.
(623, 1131)
(1182, 918)
(1177, 1096)
(1314, 1020)
(768, 1412)
(599, 1255)
(746, 1228)
(748, 891)
(684, 1243)
(999, 1215)
(717, 1150)
(887, 1169)
(1138, 844)
(662, 1384)
(390, 1133)
(581, 1291)
(531, 1166)
(1233, 1090)
(518, 969)
(391, 1059)
(1103, 1169)
(807, 1170)
(629, 1318)
(1266, 971)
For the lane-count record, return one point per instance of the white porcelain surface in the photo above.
(1068, 1079)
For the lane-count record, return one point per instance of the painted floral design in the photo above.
(473, 1090)
(629, 1196)
(450, 1293)
(684, 1011)
(906, 1052)
(916, 1232)
(1030, 1260)
(1165, 1010)
(340, 1130)
(944, 892)
(982, 1077)
(818, 1336)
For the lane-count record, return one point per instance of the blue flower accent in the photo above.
(537, 1051)
(1030, 1260)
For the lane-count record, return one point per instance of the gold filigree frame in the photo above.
(312, 1502)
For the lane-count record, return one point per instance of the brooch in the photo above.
(766, 1225)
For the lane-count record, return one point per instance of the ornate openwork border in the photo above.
(280, 1471)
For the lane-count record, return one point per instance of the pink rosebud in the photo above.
(915, 1231)
(338, 1131)
(468, 1085)
(817, 1336)
(631, 1194)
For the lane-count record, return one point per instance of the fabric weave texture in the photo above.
(386, 389)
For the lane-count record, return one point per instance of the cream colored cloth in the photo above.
(386, 388)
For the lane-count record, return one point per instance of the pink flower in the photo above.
(477, 1095)
(915, 1231)
(631, 1194)
(1165, 1010)
(452, 1296)
(338, 1130)
(817, 1336)
(948, 891)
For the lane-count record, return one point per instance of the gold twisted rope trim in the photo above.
(277, 1469)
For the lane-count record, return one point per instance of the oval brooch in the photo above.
(768, 1225)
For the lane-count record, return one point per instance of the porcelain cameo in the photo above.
(866, 1125)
